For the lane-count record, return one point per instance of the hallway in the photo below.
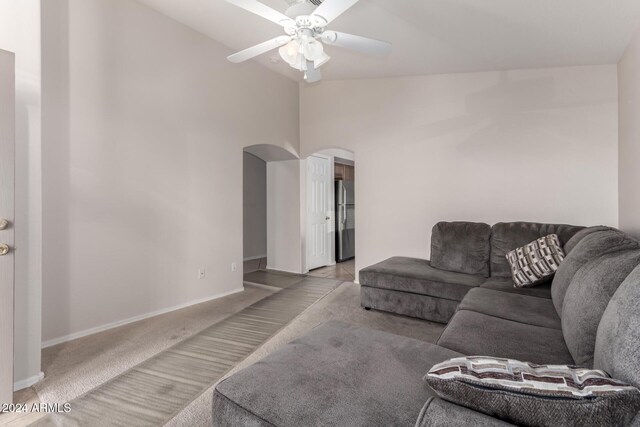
(342, 271)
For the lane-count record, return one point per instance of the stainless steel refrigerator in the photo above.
(345, 221)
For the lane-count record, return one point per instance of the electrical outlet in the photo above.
(234, 267)
(202, 273)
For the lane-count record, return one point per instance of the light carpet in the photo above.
(157, 389)
(342, 304)
(76, 367)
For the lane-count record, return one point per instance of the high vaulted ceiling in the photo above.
(437, 36)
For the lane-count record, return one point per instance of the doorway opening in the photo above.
(331, 214)
(267, 183)
(254, 220)
(299, 214)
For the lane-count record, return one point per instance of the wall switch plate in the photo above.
(234, 267)
(202, 273)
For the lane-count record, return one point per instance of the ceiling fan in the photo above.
(304, 24)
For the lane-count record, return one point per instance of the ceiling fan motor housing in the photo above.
(307, 25)
(300, 9)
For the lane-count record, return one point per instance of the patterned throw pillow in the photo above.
(535, 395)
(535, 262)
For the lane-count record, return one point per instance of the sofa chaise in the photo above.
(340, 374)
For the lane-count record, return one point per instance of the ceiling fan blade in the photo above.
(331, 9)
(263, 10)
(313, 74)
(259, 49)
(361, 44)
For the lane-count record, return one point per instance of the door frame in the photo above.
(330, 214)
(7, 211)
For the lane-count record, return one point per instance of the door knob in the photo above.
(3, 224)
(328, 218)
(4, 249)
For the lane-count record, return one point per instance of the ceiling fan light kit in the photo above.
(299, 51)
(302, 48)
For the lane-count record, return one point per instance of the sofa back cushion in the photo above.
(587, 298)
(618, 339)
(590, 247)
(571, 244)
(461, 247)
(507, 236)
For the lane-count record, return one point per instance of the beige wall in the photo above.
(629, 94)
(144, 122)
(255, 206)
(20, 33)
(536, 145)
(285, 213)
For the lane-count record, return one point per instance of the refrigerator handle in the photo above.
(344, 205)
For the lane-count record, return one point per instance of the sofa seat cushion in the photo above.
(440, 413)
(510, 306)
(478, 334)
(338, 374)
(505, 284)
(419, 277)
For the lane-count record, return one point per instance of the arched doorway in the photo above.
(299, 214)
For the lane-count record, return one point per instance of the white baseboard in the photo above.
(101, 328)
(252, 258)
(28, 382)
(283, 270)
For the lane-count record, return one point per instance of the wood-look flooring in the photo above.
(156, 390)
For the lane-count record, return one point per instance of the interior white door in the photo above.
(319, 181)
(7, 147)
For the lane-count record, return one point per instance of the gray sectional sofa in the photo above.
(464, 256)
(346, 375)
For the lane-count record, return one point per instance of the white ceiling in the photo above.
(438, 36)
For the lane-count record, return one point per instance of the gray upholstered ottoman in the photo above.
(336, 375)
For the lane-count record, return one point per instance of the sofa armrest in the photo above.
(440, 413)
